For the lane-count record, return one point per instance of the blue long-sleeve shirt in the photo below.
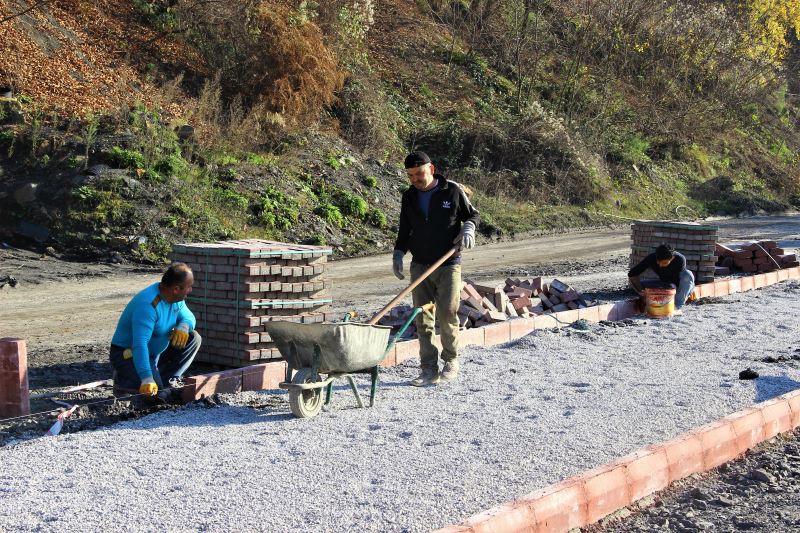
(145, 327)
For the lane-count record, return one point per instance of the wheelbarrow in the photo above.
(338, 350)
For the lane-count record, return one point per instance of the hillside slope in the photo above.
(135, 124)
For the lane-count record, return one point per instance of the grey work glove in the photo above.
(466, 238)
(397, 263)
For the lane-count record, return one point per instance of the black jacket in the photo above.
(429, 238)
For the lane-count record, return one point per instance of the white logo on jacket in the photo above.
(446, 204)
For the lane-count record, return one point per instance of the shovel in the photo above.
(413, 284)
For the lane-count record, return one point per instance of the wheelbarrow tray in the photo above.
(345, 347)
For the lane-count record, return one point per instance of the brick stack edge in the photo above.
(14, 392)
(696, 242)
(241, 285)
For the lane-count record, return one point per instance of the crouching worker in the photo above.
(670, 267)
(155, 341)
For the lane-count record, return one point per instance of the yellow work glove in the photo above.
(179, 336)
(148, 387)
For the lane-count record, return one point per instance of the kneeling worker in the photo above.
(670, 267)
(155, 341)
(435, 215)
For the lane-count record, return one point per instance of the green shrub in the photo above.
(351, 204)
(231, 199)
(227, 174)
(330, 214)
(630, 149)
(333, 162)
(85, 193)
(172, 165)
(276, 210)
(261, 160)
(377, 218)
(121, 158)
(169, 221)
(370, 181)
(151, 175)
(223, 159)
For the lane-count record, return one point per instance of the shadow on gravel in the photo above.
(68, 374)
(768, 387)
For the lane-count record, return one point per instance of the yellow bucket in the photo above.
(659, 303)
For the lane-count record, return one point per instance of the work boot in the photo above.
(426, 377)
(449, 371)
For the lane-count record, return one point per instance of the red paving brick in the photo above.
(748, 426)
(606, 491)
(647, 471)
(560, 507)
(14, 390)
(719, 443)
(497, 333)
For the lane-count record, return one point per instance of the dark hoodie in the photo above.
(430, 237)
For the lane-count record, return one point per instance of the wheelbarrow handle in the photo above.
(404, 293)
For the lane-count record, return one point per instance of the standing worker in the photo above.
(155, 341)
(670, 267)
(435, 216)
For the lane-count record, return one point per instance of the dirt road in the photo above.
(58, 303)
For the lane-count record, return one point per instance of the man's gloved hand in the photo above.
(180, 336)
(148, 387)
(397, 263)
(466, 238)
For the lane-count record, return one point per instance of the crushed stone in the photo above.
(520, 417)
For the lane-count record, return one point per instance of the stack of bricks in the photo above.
(761, 256)
(241, 285)
(694, 241)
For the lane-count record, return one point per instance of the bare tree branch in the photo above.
(24, 11)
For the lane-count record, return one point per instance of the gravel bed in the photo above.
(522, 416)
(760, 492)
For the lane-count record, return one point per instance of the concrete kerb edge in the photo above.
(698, 450)
(704, 449)
(517, 328)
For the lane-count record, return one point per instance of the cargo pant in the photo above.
(443, 288)
(171, 363)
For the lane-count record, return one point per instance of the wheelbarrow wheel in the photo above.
(305, 403)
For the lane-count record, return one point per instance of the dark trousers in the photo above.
(171, 363)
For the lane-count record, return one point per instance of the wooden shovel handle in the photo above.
(413, 284)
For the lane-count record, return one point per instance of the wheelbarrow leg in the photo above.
(328, 393)
(374, 387)
(355, 390)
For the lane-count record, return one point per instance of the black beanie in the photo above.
(417, 159)
(665, 251)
